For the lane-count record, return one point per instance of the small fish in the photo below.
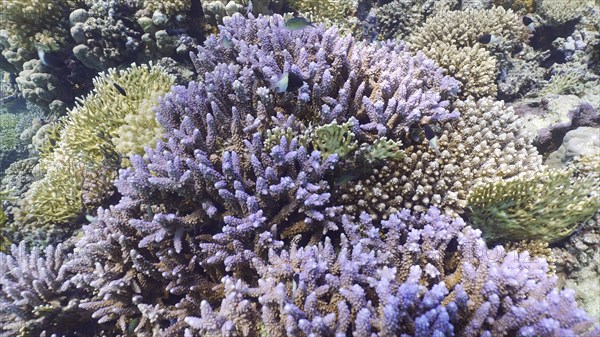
(132, 325)
(289, 82)
(91, 218)
(297, 23)
(175, 31)
(346, 178)
(119, 89)
(432, 138)
(226, 42)
(489, 39)
(528, 22)
(50, 59)
(295, 281)
(414, 135)
(249, 8)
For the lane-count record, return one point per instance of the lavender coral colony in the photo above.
(304, 182)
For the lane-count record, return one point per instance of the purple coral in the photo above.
(396, 281)
(218, 234)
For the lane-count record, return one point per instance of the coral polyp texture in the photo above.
(232, 223)
(488, 143)
(474, 67)
(464, 28)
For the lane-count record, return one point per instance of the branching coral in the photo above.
(486, 144)
(87, 143)
(390, 281)
(559, 12)
(463, 28)
(473, 66)
(28, 22)
(225, 229)
(546, 206)
(398, 18)
(36, 297)
(335, 11)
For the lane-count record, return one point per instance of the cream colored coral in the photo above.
(463, 28)
(168, 7)
(486, 144)
(473, 66)
(560, 11)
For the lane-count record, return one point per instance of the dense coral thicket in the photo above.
(224, 228)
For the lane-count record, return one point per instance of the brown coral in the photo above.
(486, 144)
(473, 66)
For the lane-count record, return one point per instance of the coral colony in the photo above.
(294, 181)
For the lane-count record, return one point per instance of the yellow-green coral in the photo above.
(28, 22)
(383, 149)
(474, 67)
(562, 84)
(333, 139)
(545, 206)
(87, 140)
(96, 120)
(140, 129)
(334, 11)
(57, 197)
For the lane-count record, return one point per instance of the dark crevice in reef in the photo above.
(544, 36)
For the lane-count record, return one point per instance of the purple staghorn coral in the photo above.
(226, 229)
(426, 275)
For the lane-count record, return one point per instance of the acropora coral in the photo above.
(232, 223)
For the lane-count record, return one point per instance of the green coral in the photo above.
(273, 136)
(90, 140)
(545, 206)
(383, 149)
(566, 83)
(333, 138)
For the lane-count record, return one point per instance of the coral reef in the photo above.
(463, 28)
(304, 183)
(8, 139)
(87, 144)
(398, 18)
(546, 206)
(486, 144)
(42, 88)
(474, 67)
(559, 12)
(36, 295)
